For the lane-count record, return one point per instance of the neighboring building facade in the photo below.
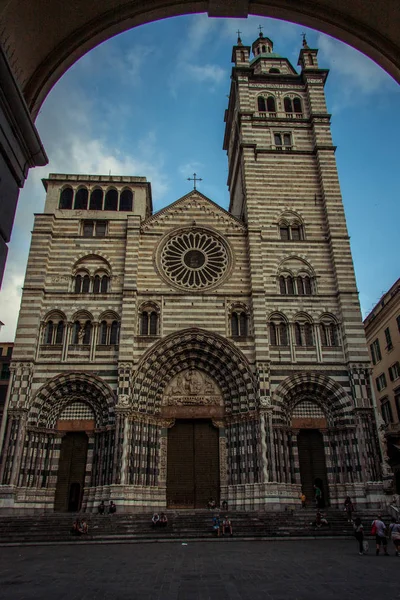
(162, 359)
(6, 349)
(382, 330)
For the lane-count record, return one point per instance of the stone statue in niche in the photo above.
(192, 387)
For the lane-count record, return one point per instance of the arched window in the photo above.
(242, 56)
(283, 335)
(149, 321)
(290, 286)
(78, 284)
(144, 324)
(111, 201)
(298, 334)
(273, 337)
(263, 49)
(308, 334)
(75, 332)
(271, 106)
(282, 285)
(60, 332)
(85, 284)
(114, 333)
(278, 331)
(333, 334)
(300, 286)
(103, 333)
(307, 286)
(81, 199)
(234, 325)
(96, 199)
(284, 231)
(126, 200)
(239, 323)
(262, 107)
(274, 70)
(329, 334)
(66, 198)
(287, 104)
(104, 284)
(297, 105)
(310, 59)
(96, 284)
(87, 331)
(243, 324)
(324, 334)
(48, 333)
(295, 232)
(153, 323)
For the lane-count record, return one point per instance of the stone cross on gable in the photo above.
(194, 179)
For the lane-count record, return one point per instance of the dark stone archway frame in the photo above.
(64, 389)
(207, 352)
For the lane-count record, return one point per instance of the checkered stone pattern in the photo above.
(103, 454)
(207, 352)
(13, 428)
(336, 402)
(77, 411)
(360, 386)
(243, 448)
(58, 393)
(144, 454)
(308, 410)
(36, 459)
(124, 379)
(21, 387)
(283, 467)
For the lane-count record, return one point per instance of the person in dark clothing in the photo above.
(112, 508)
(359, 534)
(101, 508)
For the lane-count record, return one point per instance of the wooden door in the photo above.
(192, 464)
(312, 463)
(71, 472)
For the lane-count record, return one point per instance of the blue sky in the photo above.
(151, 102)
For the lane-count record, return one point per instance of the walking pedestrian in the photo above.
(349, 508)
(359, 534)
(394, 529)
(379, 530)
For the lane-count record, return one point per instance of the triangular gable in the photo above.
(192, 199)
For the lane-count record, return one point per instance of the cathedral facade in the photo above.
(164, 359)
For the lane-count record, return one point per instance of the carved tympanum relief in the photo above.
(192, 387)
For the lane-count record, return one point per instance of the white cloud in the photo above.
(70, 139)
(213, 73)
(358, 72)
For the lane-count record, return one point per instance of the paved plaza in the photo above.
(306, 570)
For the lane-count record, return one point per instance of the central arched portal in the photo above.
(192, 464)
(192, 399)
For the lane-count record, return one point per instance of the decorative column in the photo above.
(122, 440)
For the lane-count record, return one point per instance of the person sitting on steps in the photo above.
(216, 524)
(101, 508)
(155, 520)
(211, 504)
(112, 509)
(227, 526)
(163, 520)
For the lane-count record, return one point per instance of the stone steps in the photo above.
(55, 527)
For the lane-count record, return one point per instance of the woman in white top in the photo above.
(394, 528)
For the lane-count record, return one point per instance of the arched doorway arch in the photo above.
(202, 350)
(38, 68)
(68, 438)
(316, 415)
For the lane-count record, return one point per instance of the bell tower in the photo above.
(284, 185)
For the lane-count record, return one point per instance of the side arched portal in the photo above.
(68, 442)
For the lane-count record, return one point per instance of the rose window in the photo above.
(195, 259)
